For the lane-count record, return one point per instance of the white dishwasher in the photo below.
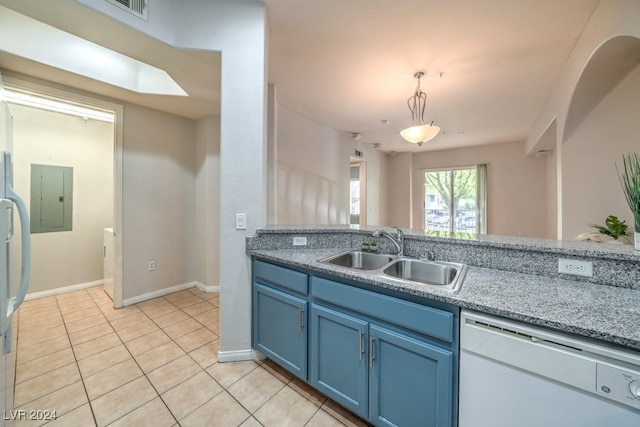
(516, 375)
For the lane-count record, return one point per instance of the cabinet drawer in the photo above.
(425, 320)
(282, 277)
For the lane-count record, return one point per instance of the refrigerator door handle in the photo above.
(15, 302)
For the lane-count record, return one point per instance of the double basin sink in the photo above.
(445, 275)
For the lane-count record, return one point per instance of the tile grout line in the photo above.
(64, 323)
(287, 381)
(159, 395)
(187, 354)
(144, 374)
(59, 312)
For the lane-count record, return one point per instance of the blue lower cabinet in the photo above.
(388, 360)
(338, 358)
(280, 328)
(410, 381)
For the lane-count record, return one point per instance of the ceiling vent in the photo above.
(135, 7)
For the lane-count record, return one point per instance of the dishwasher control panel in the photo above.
(619, 384)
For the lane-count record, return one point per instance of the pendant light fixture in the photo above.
(419, 131)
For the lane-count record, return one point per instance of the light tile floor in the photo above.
(150, 364)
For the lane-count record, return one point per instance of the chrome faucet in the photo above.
(397, 240)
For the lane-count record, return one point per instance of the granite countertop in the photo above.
(602, 312)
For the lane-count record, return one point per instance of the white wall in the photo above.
(591, 188)
(516, 186)
(312, 171)
(207, 201)
(158, 172)
(43, 137)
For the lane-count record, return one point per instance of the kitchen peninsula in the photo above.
(390, 348)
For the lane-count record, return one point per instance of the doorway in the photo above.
(45, 133)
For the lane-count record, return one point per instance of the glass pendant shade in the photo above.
(419, 131)
(420, 134)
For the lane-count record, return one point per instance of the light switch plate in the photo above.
(241, 221)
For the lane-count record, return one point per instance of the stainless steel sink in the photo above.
(360, 260)
(440, 274)
(445, 274)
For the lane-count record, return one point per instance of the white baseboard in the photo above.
(62, 290)
(236, 356)
(128, 301)
(158, 293)
(206, 288)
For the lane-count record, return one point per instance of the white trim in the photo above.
(158, 293)
(237, 356)
(62, 290)
(258, 356)
(205, 288)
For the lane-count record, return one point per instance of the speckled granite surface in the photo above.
(534, 293)
(614, 265)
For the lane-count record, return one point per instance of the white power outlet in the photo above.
(151, 265)
(300, 241)
(575, 267)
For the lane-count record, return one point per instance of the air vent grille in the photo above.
(135, 7)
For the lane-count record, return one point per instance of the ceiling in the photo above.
(490, 64)
(350, 64)
(197, 72)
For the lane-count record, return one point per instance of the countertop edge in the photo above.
(568, 306)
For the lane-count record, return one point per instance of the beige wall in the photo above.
(42, 137)
(516, 186)
(590, 185)
(158, 172)
(377, 166)
(207, 201)
(312, 171)
(400, 190)
(592, 108)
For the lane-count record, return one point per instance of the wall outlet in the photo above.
(151, 265)
(575, 267)
(300, 241)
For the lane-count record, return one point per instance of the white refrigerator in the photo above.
(10, 203)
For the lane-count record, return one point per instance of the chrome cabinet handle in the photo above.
(361, 343)
(371, 347)
(300, 320)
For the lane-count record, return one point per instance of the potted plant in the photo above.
(365, 246)
(373, 246)
(613, 227)
(630, 180)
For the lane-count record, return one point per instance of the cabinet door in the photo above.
(410, 381)
(280, 328)
(338, 358)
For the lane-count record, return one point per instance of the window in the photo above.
(455, 200)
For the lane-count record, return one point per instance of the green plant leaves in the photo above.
(630, 181)
(613, 227)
